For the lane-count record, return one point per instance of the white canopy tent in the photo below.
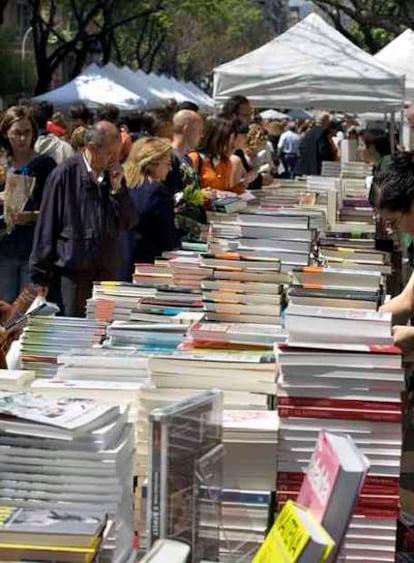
(125, 77)
(398, 55)
(311, 65)
(273, 115)
(94, 88)
(204, 98)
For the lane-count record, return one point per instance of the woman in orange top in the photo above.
(212, 159)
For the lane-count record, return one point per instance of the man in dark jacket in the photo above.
(315, 147)
(84, 208)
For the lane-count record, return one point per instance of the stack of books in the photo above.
(248, 371)
(352, 257)
(250, 440)
(288, 235)
(114, 300)
(340, 371)
(46, 338)
(51, 535)
(354, 169)
(242, 302)
(145, 337)
(332, 169)
(207, 334)
(152, 275)
(187, 271)
(335, 287)
(70, 455)
(15, 379)
(354, 205)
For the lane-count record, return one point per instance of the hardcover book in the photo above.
(333, 482)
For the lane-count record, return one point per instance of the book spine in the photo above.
(339, 404)
(292, 478)
(309, 412)
(154, 485)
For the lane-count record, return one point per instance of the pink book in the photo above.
(332, 483)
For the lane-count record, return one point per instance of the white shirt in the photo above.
(289, 142)
(99, 179)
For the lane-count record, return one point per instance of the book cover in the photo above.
(296, 537)
(333, 482)
(55, 528)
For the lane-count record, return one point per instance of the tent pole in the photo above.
(402, 140)
(392, 131)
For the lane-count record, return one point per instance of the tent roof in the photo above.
(398, 55)
(94, 88)
(128, 79)
(310, 65)
(205, 98)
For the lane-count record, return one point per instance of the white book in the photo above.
(171, 551)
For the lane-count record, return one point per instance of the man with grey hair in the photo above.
(85, 206)
(315, 147)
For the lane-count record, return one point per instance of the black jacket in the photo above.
(155, 231)
(79, 225)
(314, 148)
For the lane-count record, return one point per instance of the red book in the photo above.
(340, 404)
(310, 412)
(333, 482)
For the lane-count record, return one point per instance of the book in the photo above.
(167, 550)
(335, 325)
(296, 537)
(54, 528)
(62, 419)
(332, 483)
(229, 204)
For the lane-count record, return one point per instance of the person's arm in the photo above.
(401, 306)
(236, 174)
(43, 256)
(403, 337)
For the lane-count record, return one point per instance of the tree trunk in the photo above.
(44, 79)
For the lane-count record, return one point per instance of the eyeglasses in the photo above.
(20, 134)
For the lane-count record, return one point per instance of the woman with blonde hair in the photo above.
(145, 170)
(259, 156)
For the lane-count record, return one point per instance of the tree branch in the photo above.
(3, 6)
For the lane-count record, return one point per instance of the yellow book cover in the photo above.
(70, 549)
(296, 537)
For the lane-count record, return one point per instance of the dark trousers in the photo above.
(70, 294)
(289, 161)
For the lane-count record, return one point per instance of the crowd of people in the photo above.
(106, 191)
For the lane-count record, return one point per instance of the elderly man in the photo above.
(84, 208)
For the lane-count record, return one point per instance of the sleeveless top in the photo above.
(217, 177)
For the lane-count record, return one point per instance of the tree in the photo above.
(276, 12)
(189, 37)
(369, 23)
(15, 76)
(76, 28)
(3, 5)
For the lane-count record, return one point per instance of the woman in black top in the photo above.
(18, 134)
(146, 168)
